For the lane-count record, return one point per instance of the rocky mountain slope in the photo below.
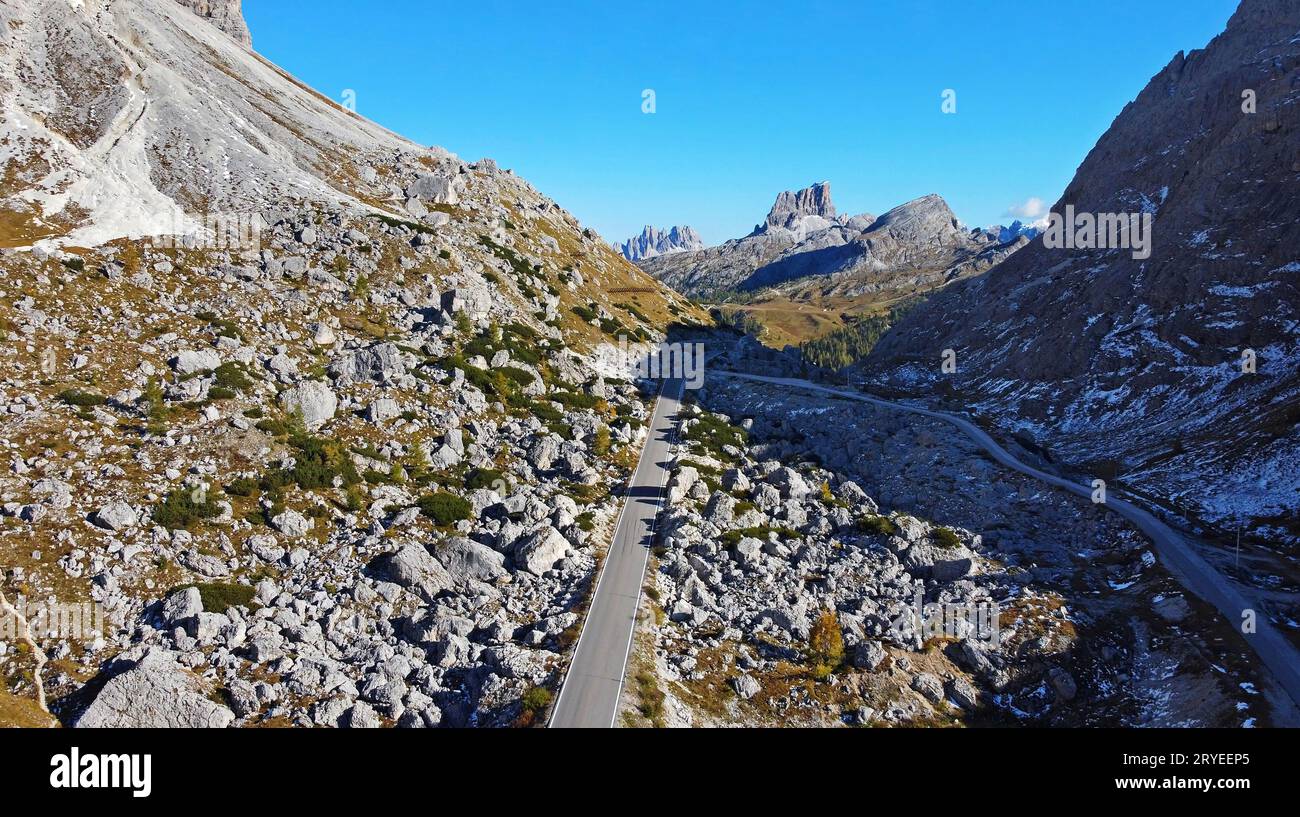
(655, 242)
(1135, 367)
(134, 119)
(352, 467)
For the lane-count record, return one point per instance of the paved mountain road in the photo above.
(1195, 574)
(590, 695)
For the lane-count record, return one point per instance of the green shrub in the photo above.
(713, 433)
(183, 509)
(945, 538)
(319, 461)
(600, 446)
(536, 699)
(546, 412)
(233, 376)
(155, 407)
(483, 478)
(81, 399)
(732, 537)
(219, 597)
(243, 486)
(274, 427)
(575, 400)
(445, 509)
(413, 226)
(879, 525)
(224, 328)
(521, 377)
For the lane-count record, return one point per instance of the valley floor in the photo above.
(1094, 631)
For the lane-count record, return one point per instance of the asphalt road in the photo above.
(1192, 571)
(589, 697)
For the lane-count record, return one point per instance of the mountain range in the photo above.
(1179, 373)
(806, 271)
(654, 242)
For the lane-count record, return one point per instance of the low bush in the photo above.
(81, 399)
(184, 509)
(219, 597)
(483, 478)
(536, 699)
(879, 525)
(445, 509)
(945, 538)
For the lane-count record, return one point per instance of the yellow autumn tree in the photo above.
(825, 644)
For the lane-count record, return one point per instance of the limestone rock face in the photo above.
(155, 693)
(227, 15)
(792, 207)
(315, 401)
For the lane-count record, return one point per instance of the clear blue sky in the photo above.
(752, 97)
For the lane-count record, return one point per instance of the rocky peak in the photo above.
(655, 242)
(924, 220)
(227, 15)
(791, 208)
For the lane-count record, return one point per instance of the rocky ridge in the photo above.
(1135, 369)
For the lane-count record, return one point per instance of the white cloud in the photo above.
(1032, 208)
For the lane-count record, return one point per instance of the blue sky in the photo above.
(751, 98)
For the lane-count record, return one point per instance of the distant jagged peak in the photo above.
(801, 211)
(654, 242)
(226, 15)
(1006, 233)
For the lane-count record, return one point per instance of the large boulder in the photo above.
(116, 516)
(437, 188)
(468, 561)
(538, 552)
(790, 482)
(415, 569)
(193, 362)
(182, 605)
(721, 510)
(475, 302)
(315, 401)
(155, 693)
(381, 363)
